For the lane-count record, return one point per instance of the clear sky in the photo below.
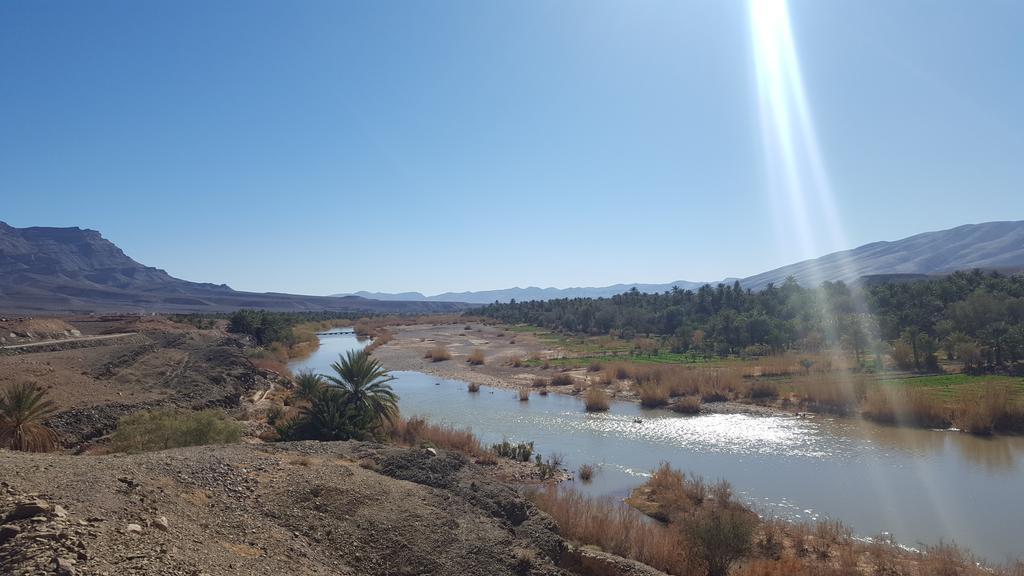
(332, 146)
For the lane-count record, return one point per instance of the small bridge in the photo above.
(336, 332)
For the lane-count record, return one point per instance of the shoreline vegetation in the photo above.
(930, 353)
(699, 529)
(790, 382)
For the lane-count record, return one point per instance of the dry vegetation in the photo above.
(438, 353)
(702, 531)
(596, 400)
(418, 431)
(476, 357)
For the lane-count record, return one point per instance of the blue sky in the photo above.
(325, 146)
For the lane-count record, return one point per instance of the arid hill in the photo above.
(75, 270)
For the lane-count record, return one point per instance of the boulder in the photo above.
(28, 509)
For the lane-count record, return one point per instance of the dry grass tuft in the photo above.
(615, 528)
(653, 395)
(586, 472)
(476, 357)
(438, 353)
(562, 380)
(597, 400)
(686, 405)
(905, 407)
(418, 431)
(524, 394)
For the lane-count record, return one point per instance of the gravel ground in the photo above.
(292, 508)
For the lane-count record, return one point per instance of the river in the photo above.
(922, 486)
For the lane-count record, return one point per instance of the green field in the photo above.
(950, 386)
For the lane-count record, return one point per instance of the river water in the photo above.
(921, 486)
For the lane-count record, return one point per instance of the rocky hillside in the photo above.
(76, 270)
(990, 246)
(311, 508)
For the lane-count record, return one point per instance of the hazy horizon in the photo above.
(457, 146)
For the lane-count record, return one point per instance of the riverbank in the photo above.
(487, 354)
(512, 360)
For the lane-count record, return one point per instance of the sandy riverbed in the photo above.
(409, 345)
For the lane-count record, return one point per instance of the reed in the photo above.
(615, 528)
(438, 353)
(596, 400)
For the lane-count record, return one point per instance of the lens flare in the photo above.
(797, 178)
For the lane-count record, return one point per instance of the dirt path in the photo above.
(67, 342)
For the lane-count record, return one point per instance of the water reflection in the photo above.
(920, 485)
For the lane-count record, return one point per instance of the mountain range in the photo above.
(991, 246)
(77, 270)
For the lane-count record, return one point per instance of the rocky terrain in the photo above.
(150, 363)
(295, 508)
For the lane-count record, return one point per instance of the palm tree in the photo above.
(308, 385)
(363, 383)
(22, 407)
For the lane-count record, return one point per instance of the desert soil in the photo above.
(290, 509)
(96, 381)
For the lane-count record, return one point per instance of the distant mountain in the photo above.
(76, 270)
(992, 245)
(525, 294)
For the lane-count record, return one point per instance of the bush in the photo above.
(163, 429)
(615, 528)
(586, 472)
(418, 431)
(476, 358)
(562, 380)
(905, 407)
(721, 536)
(549, 468)
(524, 394)
(596, 400)
(653, 395)
(763, 391)
(594, 366)
(521, 452)
(686, 405)
(473, 387)
(275, 412)
(438, 354)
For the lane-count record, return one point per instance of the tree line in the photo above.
(971, 316)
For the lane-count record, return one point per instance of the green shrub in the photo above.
(520, 452)
(163, 429)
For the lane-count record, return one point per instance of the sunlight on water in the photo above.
(866, 475)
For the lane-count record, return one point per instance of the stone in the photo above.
(65, 566)
(59, 511)
(161, 524)
(133, 528)
(8, 532)
(27, 509)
